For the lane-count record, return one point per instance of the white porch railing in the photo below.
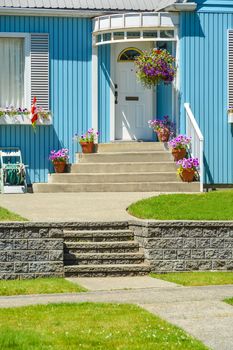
(193, 130)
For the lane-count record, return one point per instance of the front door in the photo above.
(134, 103)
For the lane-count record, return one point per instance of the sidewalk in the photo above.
(89, 206)
(200, 311)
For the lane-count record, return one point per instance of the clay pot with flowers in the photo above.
(187, 169)
(163, 127)
(59, 159)
(87, 140)
(179, 146)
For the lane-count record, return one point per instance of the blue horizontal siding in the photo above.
(70, 53)
(203, 69)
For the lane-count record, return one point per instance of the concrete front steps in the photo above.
(121, 167)
(103, 252)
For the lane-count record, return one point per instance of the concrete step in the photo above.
(125, 157)
(106, 270)
(131, 147)
(129, 167)
(101, 247)
(98, 236)
(113, 177)
(104, 258)
(170, 187)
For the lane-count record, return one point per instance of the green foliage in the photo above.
(39, 286)
(91, 327)
(229, 301)
(197, 278)
(207, 206)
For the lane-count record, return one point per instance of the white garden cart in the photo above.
(12, 171)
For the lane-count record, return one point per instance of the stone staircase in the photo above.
(121, 167)
(103, 251)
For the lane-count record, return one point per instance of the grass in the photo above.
(229, 301)
(91, 327)
(6, 215)
(39, 286)
(207, 206)
(197, 278)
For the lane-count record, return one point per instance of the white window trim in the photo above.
(27, 73)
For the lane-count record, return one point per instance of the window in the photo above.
(129, 55)
(12, 58)
(24, 69)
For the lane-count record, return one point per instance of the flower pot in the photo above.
(163, 135)
(87, 147)
(178, 153)
(59, 167)
(187, 175)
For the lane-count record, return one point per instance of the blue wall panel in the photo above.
(104, 57)
(203, 69)
(70, 90)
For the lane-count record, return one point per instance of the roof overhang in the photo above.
(178, 7)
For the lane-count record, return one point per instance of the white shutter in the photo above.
(40, 69)
(230, 68)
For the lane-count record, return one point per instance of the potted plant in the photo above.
(87, 140)
(179, 146)
(59, 159)
(155, 67)
(230, 114)
(164, 128)
(187, 169)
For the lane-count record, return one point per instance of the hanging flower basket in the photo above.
(155, 67)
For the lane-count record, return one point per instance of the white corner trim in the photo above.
(95, 88)
(112, 94)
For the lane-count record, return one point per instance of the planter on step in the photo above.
(87, 147)
(187, 175)
(178, 153)
(59, 167)
(163, 134)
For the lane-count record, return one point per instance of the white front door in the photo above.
(134, 103)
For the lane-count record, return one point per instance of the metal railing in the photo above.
(197, 148)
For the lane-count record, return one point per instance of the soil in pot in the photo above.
(187, 175)
(178, 153)
(59, 167)
(87, 147)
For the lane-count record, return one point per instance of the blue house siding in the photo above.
(70, 53)
(104, 58)
(203, 69)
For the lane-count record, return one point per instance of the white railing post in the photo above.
(197, 149)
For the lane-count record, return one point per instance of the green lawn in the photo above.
(216, 205)
(6, 215)
(89, 326)
(39, 286)
(229, 301)
(197, 278)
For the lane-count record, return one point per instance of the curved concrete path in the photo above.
(200, 311)
(89, 206)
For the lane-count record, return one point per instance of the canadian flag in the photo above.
(34, 113)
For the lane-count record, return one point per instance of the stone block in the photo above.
(56, 255)
(17, 233)
(169, 254)
(217, 243)
(21, 267)
(6, 267)
(189, 243)
(195, 265)
(6, 244)
(4, 233)
(13, 256)
(229, 243)
(203, 243)
(20, 244)
(44, 267)
(183, 254)
(3, 256)
(56, 233)
(28, 255)
(42, 255)
(198, 254)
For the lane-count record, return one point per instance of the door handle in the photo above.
(116, 97)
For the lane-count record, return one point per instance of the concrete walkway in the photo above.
(200, 311)
(89, 206)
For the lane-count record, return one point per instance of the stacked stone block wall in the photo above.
(186, 246)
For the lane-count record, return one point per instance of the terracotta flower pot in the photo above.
(87, 147)
(187, 175)
(59, 167)
(178, 153)
(163, 135)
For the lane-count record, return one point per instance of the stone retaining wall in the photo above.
(30, 250)
(186, 246)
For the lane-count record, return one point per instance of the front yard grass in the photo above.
(197, 278)
(39, 286)
(6, 215)
(229, 301)
(216, 205)
(89, 326)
